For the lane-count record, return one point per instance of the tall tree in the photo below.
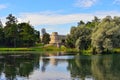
(46, 38)
(11, 31)
(11, 19)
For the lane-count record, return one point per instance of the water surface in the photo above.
(33, 66)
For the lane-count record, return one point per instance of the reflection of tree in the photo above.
(45, 63)
(1, 67)
(18, 65)
(79, 67)
(106, 67)
(10, 72)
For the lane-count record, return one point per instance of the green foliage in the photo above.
(84, 41)
(116, 50)
(18, 35)
(100, 35)
(46, 38)
(27, 35)
(106, 35)
(81, 23)
(11, 19)
(1, 36)
(79, 37)
(11, 31)
(70, 42)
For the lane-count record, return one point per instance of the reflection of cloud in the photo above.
(55, 19)
(51, 75)
(85, 3)
(2, 6)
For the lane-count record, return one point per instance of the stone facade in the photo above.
(56, 39)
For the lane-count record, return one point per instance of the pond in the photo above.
(59, 66)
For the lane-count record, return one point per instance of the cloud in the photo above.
(85, 3)
(55, 21)
(3, 6)
(37, 19)
(52, 19)
(116, 2)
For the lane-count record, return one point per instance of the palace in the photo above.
(56, 39)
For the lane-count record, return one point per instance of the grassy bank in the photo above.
(16, 49)
(53, 48)
(42, 48)
(117, 50)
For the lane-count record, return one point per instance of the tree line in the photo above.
(15, 34)
(100, 35)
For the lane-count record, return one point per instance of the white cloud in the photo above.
(51, 19)
(2, 6)
(85, 3)
(37, 19)
(54, 21)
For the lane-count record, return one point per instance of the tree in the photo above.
(79, 36)
(93, 23)
(1, 34)
(27, 35)
(46, 38)
(69, 42)
(84, 41)
(37, 33)
(19, 35)
(73, 29)
(106, 35)
(81, 23)
(11, 31)
(96, 19)
(11, 19)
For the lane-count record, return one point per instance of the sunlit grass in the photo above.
(16, 49)
(51, 48)
(116, 50)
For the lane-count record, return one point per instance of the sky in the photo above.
(58, 15)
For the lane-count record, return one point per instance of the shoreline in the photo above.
(47, 49)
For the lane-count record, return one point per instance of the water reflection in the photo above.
(106, 67)
(12, 66)
(59, 66)
(80, 67)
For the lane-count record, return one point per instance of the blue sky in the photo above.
(58, 15)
